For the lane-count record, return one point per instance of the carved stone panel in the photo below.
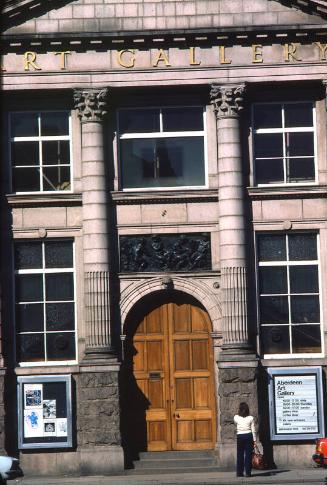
(167, 252)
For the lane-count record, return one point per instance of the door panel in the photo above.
(172, 366)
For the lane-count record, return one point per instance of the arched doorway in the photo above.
(168, 393)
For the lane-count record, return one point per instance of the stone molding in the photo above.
(91, 104)
(199, 290)
(227, 100)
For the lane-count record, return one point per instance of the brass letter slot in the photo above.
(154, 375)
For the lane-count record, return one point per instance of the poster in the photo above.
(296, 404)
(33, 423)
(62, 427)
(33, 395)
(49, 408)
(49, 427)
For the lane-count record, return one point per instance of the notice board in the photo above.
(44, 411)
(296, 403)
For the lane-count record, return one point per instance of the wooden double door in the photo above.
(173, 369)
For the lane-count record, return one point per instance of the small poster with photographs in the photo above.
(33, 395)
(62, 427)
(33, 423)
(49, 408)
(49, 427)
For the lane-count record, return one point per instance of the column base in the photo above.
(99, 355)
(237, 355)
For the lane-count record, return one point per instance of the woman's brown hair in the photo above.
(243, 410)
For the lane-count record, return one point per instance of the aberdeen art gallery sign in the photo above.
(162, 58)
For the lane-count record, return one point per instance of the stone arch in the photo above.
(199, 290)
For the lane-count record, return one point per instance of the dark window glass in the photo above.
(59, 286)
(269, 145)
(274, 309)
(272, 247)
(182, 119)
(301, 169)
(28, 255)
(54, 124)
(269, 171)
(29, 288)
(58, 254)
(29, 318)
(299, 144)
(139, 121)
(304, 279)
(25, 153)
(173, 161)
(298, 114)
(302, 247)
(24, 124)
(26, 179)
(305, 309)
(273, 279)
(56, 178)
(60, 316)
(55, 152)
(30, 347)
(267, 116)
(275, 340)
(306, 338)
(61, 346)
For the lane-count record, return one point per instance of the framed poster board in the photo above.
(44, 411)
(296, 403)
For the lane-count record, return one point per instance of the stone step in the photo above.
(168, 455)
(164, 471)
(174, 463)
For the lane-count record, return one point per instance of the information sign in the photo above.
(296, 405)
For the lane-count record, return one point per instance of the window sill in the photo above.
(287, 192)
(276, 361)
(64, 368)
(159, 195)
(44, 199)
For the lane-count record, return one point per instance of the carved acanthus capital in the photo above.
(91, 104)
(227, 100)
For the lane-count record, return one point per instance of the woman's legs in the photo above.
(240, 455)
(248, 448)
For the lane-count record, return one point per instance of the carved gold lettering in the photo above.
(193, 62)
(290, 52)
(29, 61)
(222, 56)
(162, 57)
(322, 50)
(257, 56)
(130, 62)
(63, 58)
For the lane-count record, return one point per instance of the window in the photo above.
(162, 147)
(284, 143)
(289, 308)
(40, 151)
(44, 287)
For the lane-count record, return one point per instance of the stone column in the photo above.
(228, 103)
(237, 364)
(92, 108)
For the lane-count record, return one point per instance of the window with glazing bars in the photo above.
(289, 303)
(40, 151)
(44, 309)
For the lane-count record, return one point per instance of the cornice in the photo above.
(43, 200)
(164, 197)
(301, 192)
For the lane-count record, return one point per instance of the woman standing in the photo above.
(246, 438)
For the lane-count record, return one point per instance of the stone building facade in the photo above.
(163, 219)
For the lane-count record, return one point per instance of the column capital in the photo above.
(91, 104)
(227, 100)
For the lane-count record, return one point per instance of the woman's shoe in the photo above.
(248, 475)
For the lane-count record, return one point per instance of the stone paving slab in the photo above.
(310, 475)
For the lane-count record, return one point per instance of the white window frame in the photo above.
(282, 131)
(164, 134)
(288, 263)
(40, 138)
(44, 271)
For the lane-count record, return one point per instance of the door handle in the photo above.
(176, 415)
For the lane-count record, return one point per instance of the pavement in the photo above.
(283, 476)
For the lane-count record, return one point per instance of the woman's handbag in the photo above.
(258, 461)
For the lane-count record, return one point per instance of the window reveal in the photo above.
(289, 308)
(40, 151)
(284, 143)
(162, 147)
(45, 314)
